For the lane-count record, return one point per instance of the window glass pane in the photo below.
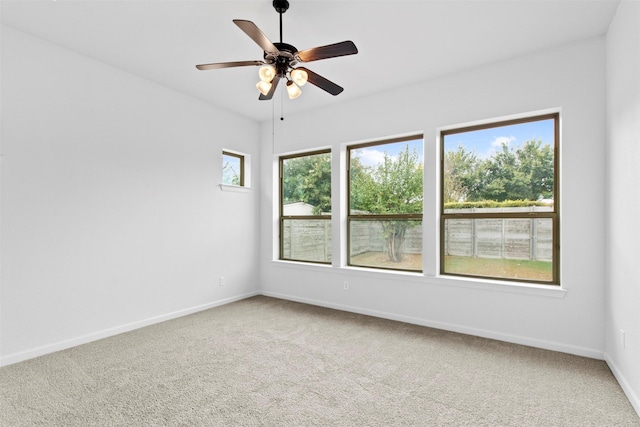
(386, 243)
(385, 205)
(499, 207)
(500, 166)
(306, 185)
(511, 248)
(306, 240)
(231, 169)
(386, 178)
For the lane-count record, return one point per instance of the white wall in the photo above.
(571, 78)
(623, 198)
(112, 216)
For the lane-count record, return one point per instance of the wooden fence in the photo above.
(367, 236)
(512, 238)
(308, 240)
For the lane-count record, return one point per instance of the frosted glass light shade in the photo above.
(263, 87)
(293, 90)
(300, 77)
(267, 73)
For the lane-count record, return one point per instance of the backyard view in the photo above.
(498, 187)
(505, 268)
(498, 199)
(385, 205)
(486, 166)
(306, 208)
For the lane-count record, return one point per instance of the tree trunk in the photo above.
(395, 239)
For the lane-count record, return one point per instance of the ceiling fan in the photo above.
(281, 60)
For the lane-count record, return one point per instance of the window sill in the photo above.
(549, 291)
(235, 188)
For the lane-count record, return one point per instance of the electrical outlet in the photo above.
(221, 281)
(623, 338)
(346, 286)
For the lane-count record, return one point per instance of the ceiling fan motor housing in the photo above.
(285, 59)
(280, 6)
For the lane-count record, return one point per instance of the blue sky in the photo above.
(374, 155)
(485, 142)
(230, 168)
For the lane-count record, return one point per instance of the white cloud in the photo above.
(370, 157)
(497, 142)
(496, 145)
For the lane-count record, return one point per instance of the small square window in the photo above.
(233, 169)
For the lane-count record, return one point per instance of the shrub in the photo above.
(494, 204)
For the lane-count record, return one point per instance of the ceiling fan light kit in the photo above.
(264, 87)
(267, 73)
(299, 76)
(280, 60)
(293, 90)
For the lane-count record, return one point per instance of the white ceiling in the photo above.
(399, 42)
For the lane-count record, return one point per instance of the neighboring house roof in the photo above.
(298, 208)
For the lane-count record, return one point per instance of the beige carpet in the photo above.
(269, 362)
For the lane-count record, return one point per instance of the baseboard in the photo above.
(62, 345)
(515, 339)
(624, 384)
(73, 342)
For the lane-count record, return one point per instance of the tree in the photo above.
(230, 175)
(524, 173)
(536, 165)
(308, 179)
(394, 186)
(460, 175)
(498, 176)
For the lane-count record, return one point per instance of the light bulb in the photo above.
(293, 90)
(299, 76)
(267, 73)
(264, 87)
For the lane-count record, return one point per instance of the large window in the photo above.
(385, 204)
(305, 207)
(499, 213)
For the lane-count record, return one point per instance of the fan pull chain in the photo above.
(273, 128)
(281, 105)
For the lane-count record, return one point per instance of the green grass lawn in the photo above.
(486, 267)
(507, 268)
(381, 260)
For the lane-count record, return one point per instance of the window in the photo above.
(499, 193)
(385, 204)
(233, 169)
(305, 207)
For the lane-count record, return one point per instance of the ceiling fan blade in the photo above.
(256, 35)
(328, 51)
(322, 83)
(274, 85)
(228, 65)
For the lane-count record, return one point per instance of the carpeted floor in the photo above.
(269, 362)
